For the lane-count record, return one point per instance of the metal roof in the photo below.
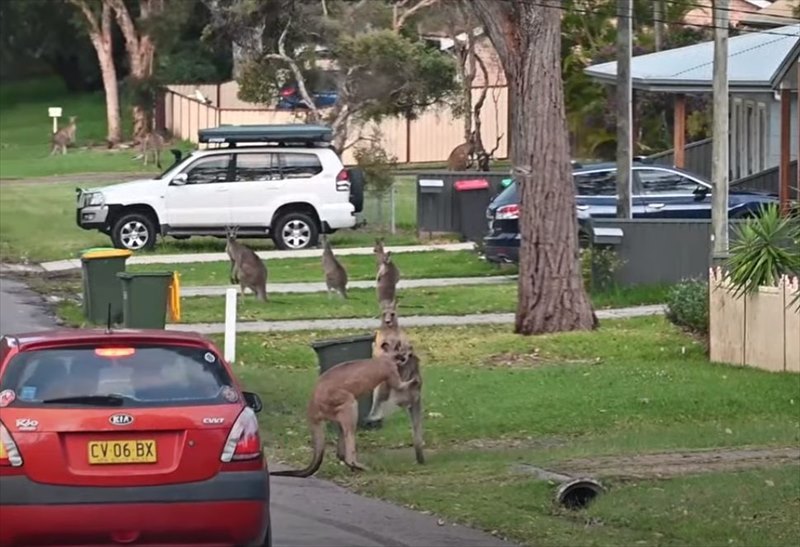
(778, 14)
(757, 62)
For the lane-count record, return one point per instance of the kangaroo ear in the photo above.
(385, 346)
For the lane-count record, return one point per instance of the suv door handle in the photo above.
(222, 189)
(582, 207)
(656, 205)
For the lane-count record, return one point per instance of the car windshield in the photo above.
(132, 376)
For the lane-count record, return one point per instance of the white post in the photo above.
(230, 325)
(55, 113)
(720, 160)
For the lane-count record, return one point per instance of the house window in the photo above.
(763, 136)
(751, 136)
(736, 140)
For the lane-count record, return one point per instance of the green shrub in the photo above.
(606, 264)
(687, 305)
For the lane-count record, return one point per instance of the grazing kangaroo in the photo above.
(335, 399)
(385, 399)
(247, 269)
(64, 136)
(151, 144)
(388, 277)
(335, 274)
(459, 158)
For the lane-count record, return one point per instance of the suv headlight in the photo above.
(95, 199)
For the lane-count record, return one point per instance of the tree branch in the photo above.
(125, 24)
(399, 20)
(94, 28)
(295, 68)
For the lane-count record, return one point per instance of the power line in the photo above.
(575, 9)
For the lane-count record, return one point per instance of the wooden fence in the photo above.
(760, 330)
(428, 138)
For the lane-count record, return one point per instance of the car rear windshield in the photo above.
(129, 376)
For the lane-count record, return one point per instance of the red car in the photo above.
(137, 437)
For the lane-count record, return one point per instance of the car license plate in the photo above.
(110, 452)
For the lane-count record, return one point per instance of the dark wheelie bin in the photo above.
(340, 350)
(145, 298)
(101, 287)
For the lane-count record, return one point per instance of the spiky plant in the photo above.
(767, 247)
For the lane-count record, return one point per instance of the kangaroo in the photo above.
(64, 136)
(388, 277)
(335, 399)
(151, 144)
(459, 158)
(379, 251)
(247, 269)
(385, 399)
(335, 274)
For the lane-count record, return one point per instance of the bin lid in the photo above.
(134, 275)
(320, 344)
(105, 252)
(475, 184)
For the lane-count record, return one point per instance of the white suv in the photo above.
(279, 181)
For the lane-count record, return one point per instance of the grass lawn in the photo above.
(494, 400)
(26, 128)
(418, 265)
(456, 300)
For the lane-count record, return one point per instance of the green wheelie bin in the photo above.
(101, 288)
(145, 297)
(340, 350)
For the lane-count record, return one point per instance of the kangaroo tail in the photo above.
(318, 444)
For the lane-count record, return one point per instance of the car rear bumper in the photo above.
(231, 508)
(501, 248)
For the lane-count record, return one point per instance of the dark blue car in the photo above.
(658, 192)
(290, 99)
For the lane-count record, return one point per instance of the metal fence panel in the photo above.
(662, 251)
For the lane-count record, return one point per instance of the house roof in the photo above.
(780, 13)
(757, 62)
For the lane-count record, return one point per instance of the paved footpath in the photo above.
(407, 321)
(283, 288)
(186, 258)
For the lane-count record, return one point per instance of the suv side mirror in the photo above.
(253, 401)
(180, 179)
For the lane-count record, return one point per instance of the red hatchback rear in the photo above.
(133, 437)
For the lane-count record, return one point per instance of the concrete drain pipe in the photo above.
(572, 493)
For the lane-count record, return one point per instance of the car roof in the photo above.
(71, 337)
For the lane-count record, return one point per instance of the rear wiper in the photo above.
(100, 400)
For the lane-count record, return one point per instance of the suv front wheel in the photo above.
(134, 231)
(295, 231)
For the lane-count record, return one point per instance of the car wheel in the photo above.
(295, 231)
(134, 231)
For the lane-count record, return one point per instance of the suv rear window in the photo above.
(130, 376)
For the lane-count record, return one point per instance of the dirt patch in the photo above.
(670, 464)
(530, 360)
(81, 178)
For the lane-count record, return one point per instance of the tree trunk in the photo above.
(551, 295)
(99, 28)
(109, 75)
(141, 55)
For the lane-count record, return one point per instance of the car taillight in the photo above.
(287, 92)
(507, 212)
(343, 181)
(244, 442)
(9, 453)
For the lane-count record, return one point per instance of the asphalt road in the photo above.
(305, 512)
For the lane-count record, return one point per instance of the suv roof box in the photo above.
(299, 134)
